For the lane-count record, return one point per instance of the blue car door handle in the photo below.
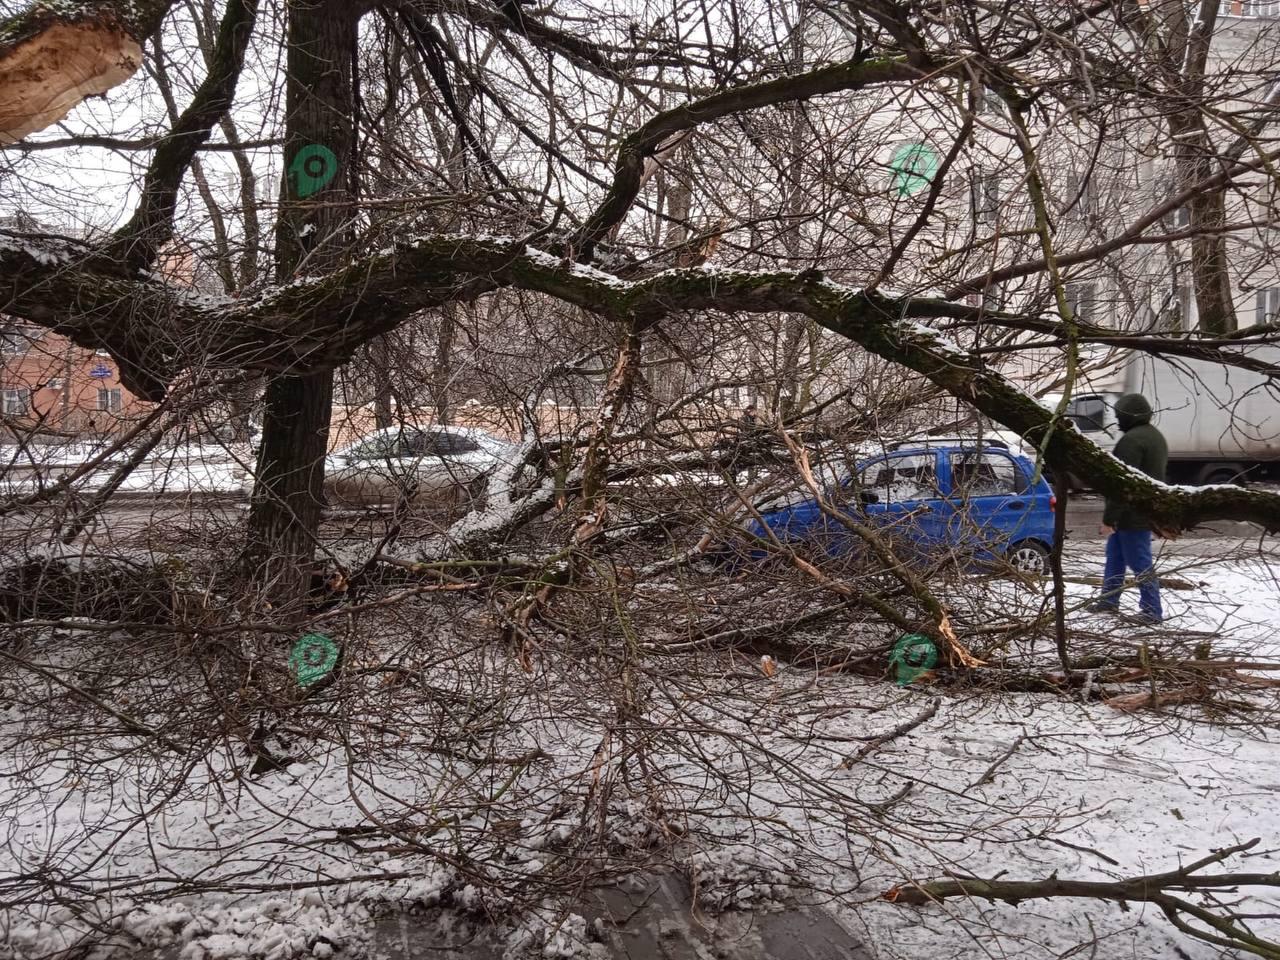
(1017, 505)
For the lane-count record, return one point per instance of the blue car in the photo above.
(968, 500)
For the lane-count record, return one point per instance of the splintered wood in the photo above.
(43, 77)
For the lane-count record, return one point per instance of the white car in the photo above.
(448, 466)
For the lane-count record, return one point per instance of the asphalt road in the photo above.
(172, 522)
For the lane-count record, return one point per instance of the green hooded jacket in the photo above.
(1142, 446)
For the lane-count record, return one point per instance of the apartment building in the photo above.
(50, 385)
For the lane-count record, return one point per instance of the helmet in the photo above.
(1131, 410)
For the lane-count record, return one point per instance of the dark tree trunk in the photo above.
(1207, 215)
(1196, 162)
(1215, 303)
(384, 414)
(285, 514)
(442, 367)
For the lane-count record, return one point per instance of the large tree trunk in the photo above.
(384, 409)
(285, 515)
(1215, 301)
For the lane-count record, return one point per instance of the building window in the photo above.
(1250, 8)
(1175, 310)
(1080, 196)
(989, 102)
(991, 297)
(1082, 298)
(1268, 305)
(109, 400)
(55, 383)
(13, 342)
(984, 196)
(16, 402)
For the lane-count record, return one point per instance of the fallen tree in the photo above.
(313, 323)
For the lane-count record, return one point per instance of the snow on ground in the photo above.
(493, 779)
(177, 469)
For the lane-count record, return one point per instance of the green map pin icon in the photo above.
(913, 166)
(912, 655)
(312, 168)
(312, 658)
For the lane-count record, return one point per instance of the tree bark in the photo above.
(285, 514)
(1197, 163)
(384, 413)
(1211, 277)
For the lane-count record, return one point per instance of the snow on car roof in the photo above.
(922, 442)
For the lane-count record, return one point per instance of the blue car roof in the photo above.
(942, 448)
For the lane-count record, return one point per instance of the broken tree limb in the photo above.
(1227, 930)
(52, 56)
(1157, 700)
(990, 773)
(1166, 583)
(724, 635)
(318, 323)
(879, 740)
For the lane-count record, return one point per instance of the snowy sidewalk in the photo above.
(188, 470)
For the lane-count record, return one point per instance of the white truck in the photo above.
(1222, 423)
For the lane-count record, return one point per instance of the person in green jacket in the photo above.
(1128, 533)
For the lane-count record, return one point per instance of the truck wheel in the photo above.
(1221, 473)
(1030, 556)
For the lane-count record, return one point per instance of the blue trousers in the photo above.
(1132, 549)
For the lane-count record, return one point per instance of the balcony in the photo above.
(1250, 9)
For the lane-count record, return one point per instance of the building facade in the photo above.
(48, 385)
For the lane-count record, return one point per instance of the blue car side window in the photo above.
(977, 473)
(901, 479)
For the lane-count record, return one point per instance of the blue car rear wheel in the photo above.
(1029, 556)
